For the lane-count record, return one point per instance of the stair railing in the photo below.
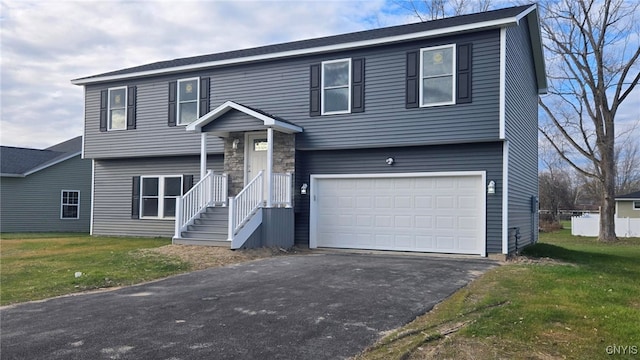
(281, 190)
(245, 204)
(211, 190)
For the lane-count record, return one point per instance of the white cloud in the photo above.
(45, 44)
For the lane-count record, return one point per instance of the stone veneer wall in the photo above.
(284, 149)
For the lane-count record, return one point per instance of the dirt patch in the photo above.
(521, 259)
(203, 257)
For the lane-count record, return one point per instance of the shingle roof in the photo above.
(15, 161)
(323, 41)
(633, 195)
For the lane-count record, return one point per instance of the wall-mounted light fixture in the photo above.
(390, 161)
(491, 187)
(234, 145)
(303, 189)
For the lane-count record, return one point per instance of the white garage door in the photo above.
(405, 212)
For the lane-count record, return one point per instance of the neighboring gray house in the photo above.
(45, 190)
(420, 137)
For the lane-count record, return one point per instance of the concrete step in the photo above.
(202, 242)
(223, 223)
(205, 235)
(212, 228)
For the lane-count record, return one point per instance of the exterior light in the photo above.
(235, 144)
(303, 189)
(390, 161)
(491, 188)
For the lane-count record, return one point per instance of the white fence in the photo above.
(589, 225)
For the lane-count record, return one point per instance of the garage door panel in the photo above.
(431, 214)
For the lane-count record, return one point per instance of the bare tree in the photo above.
(427, 10)
(593, 70)
(557, 187)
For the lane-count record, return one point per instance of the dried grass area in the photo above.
(203, 257)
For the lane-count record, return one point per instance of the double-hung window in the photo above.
(188, 95)
(636, 205)
(70, 204)
(437, 75)
(159, 195)
(336, 86)
(117, 108)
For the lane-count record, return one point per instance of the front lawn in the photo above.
(570, 297)
(38, 266)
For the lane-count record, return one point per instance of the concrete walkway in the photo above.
(319, 306)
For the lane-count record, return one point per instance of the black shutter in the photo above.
(357, 85)
(135, 198)
(187, 183)
(204, 96)
(131, 107)
(412, 92)
(104, 94)
(172, 102)
(314, 91)
(463, 89)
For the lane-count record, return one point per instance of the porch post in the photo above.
(269, 164)
(203, 154)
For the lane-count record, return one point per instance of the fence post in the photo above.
(178, 223)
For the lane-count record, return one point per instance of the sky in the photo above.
(45, 44)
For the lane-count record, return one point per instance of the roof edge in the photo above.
(52, 162)
(477, 26)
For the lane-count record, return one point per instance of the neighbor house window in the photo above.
(118, 108)
(336, 86)
(159, 196)
(188, 95)
(437, 76)
(636, 205)
(70, 204)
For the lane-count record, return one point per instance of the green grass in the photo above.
(38, 266)
(580, 298)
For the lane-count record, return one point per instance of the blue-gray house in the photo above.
(420, 137)
(45, 190)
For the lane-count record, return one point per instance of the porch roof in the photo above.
(268, 120)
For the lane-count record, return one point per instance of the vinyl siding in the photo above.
(112, 198)
(521, 131)
(465, 157)
(32, 203)
(281, 88)
(235, 120)
(625, 210)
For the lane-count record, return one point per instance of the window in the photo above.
(118, 108)
(336, 86)
(70, 204)
(636, 205)
(437, 75)
(188, 95)
(159, 196)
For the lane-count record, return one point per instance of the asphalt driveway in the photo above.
(319, 306)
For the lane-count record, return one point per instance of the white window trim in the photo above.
(126, 104)
(62, 205)
(178, 101)
(633, 204)
(160, 195)
(453, 71)
(322, 88)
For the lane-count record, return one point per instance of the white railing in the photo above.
(211, 190)
(245, 204)
(281, 190)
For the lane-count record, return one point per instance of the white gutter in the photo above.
(510, 21)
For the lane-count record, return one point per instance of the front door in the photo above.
(256, 159)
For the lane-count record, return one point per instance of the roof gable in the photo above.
(256, 119)
(447, 26)
(21, 162)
